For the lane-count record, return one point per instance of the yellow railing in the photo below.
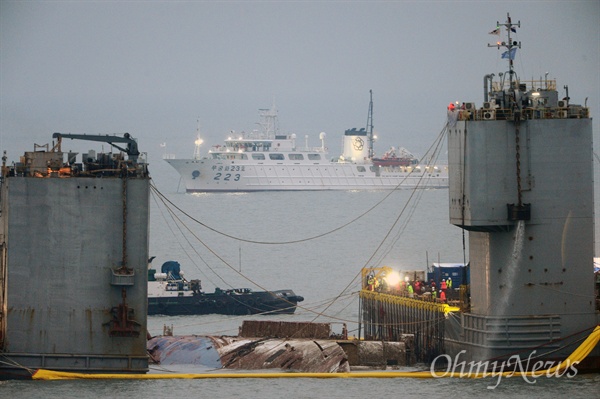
(409, 302)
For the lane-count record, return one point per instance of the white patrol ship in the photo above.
(265, 160)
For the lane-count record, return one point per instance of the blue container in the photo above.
(458, 272)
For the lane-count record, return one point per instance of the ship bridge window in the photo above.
(233, 156)
(258, 156)
(314, 157)
(361, 169)
(276, 157)
(296, 157)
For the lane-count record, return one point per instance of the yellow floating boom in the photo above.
(577, 356)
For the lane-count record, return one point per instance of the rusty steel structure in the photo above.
(74, 251)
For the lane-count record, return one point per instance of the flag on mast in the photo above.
(510, 54)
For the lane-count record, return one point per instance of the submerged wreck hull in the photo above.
(288, 346)
(287, 354)
(305, 355)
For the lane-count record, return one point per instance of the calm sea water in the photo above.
(584, 387)
(316, 244)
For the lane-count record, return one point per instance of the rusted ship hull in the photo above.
(288, 346)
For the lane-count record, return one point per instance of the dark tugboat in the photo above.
(169, 293)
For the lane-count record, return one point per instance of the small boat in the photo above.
(392, 160)
(169, 293)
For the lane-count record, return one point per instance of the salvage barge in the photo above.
(74, 250)
(530, 226)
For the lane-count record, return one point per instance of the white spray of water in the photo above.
(510, 272)
(508, 282)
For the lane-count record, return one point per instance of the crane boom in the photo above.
(131, 149)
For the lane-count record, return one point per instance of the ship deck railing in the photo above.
(482, 114)
(523, 85)
(311, 149)
(241, 149)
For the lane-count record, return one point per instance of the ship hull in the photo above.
(208, 175)
(277, 302)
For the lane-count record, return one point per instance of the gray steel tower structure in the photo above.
(74, 251)
(521, 183)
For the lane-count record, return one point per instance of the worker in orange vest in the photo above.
(443, 286)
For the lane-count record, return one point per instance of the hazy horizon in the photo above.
(154, 68)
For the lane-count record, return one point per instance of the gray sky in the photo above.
(151, 68)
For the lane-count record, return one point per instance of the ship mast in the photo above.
(268, 122)
(510, 45)
(198, 142)
(519, 211)
(370, 137)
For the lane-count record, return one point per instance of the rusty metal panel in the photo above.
(64, 237)
(303, 355)
(284, 329)
(168, 350)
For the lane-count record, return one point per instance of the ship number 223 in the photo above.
(227, 176)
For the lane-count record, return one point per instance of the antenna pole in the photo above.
(370, 125)
(510, 46)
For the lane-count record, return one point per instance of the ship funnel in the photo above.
(355, 146)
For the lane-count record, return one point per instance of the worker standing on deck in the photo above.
(442, 297)
(384, 284)
(371, 282)
(410, 290)
(449, 284)
(443, 286)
